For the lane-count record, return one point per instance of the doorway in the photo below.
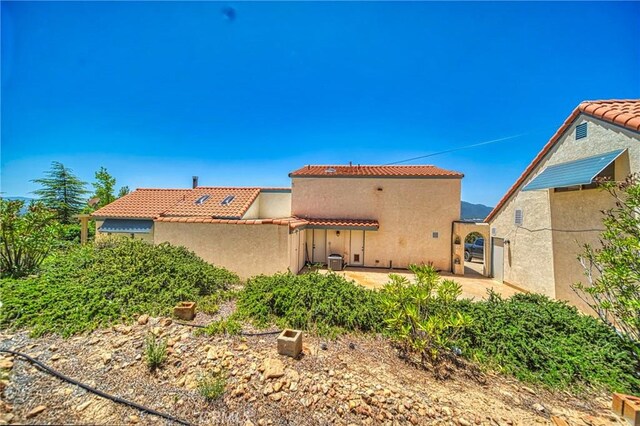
(357, 248)
(497, 258)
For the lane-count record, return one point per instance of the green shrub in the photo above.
(229, 327)
(155, 351)
(423, 317)
(212, 386)
(112, 280)
(326, 301)
(540, 340)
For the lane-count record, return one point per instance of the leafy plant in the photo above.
(155, 351)
(331, 302)
(422, 317)
(545, 341)
(613, 270)
(62, 192)
(25, 240)
(229, 327)
(212, 386)
(104, 188)
(116, 279)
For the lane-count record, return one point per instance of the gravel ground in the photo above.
(356, 380)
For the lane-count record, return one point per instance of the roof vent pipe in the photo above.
(194, 182)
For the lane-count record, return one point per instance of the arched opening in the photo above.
(470, 249)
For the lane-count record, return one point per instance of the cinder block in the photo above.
(185, 310)
(631, 410)
(617, 403)
(290, 343)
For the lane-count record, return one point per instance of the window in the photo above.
(581, 131)
(227, 200)
(434, 234)
(356, 258)
(518, 217)
(200, 201)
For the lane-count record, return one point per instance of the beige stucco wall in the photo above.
(408, 210)
(247, 250)
(539, 259)
(270, 205)
(146, 237)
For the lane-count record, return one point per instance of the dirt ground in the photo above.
(353, 380)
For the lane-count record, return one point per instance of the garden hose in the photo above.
(113, 398)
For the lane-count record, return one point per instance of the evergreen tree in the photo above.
(62, 191)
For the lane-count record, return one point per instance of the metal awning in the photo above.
(577, 172)
(126, 226)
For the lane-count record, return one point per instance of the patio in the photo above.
(474, 285)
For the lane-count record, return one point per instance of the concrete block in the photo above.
(185, 310)
(631, 410)
(290, 343)
(617, 404)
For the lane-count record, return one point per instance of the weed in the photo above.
(155, 351)
(212, 386)
(229, 327)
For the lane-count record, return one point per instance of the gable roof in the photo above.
(150, 203)
(621, 112)
(418, 171)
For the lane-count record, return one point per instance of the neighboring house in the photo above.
(554, 208)
(379, 216)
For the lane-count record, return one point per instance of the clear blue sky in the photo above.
(158, 92)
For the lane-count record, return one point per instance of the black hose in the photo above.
(113, 398)
(263, 333)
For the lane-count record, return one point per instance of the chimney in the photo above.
(194, 182)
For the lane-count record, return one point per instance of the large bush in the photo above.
(93, 285)
(327, 303)
(541, 340)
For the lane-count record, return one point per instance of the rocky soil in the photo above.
(353, 380)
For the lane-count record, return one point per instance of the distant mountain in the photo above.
(474, 211)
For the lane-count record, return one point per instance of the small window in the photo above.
(581, 131)
(434, 234)
(227, 200)
(356, 258)
(200, 201)
(518, 219)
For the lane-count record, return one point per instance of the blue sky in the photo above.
(158, 92)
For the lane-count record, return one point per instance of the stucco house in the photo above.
(372, 216)
(540, 225)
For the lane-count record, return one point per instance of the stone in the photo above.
(166, 322)
(538, 407)
(106, 357)
(55, 357)
(446, 411)
(143, 319)
(134, 419)
(39, 409)
(273, 368)
(243, 347)
(268, 389)
(276, 396)
(6, 364)
(527, 389)
(82, 406)
(464, 422)
(212, 354)
(277, 387)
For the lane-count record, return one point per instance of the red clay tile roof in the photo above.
(343, 223)
(143, 203)
(152, 203)
(374, 171)
(622, 112)
(212, 207)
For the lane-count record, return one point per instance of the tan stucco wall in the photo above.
(539, 259)
(408, 211)
(247, 250)
(146, 237)
(270, 205)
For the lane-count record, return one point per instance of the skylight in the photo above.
(200, 201)
(227, 200)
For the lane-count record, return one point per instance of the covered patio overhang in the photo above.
(343, 224)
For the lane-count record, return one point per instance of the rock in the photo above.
(106, 357)
(55, 357)
(527, 389)
(446, 411)
(243, 347)
(276, 396)
(538, 407)
(273, 368)
(53, 348)
(463, 422)
(6, 364)
(293, 386)
(82, 406)
(268, 390)
(248, 423)
(143, 319)
(134, 419)
(277, 387)
(165, 322)
(39, 409)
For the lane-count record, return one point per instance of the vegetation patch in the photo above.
(541, 340)
(112, 280)
(228, 326)
(155, 351)
(212, 386)
(325, 302)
